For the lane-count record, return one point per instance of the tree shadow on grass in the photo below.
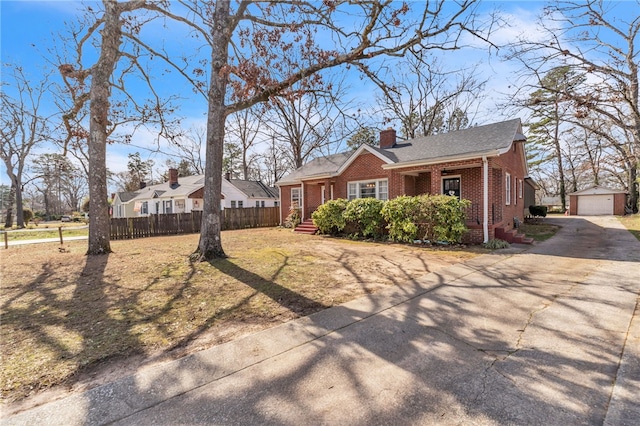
(68, 328)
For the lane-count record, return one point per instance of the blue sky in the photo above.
(29, 29)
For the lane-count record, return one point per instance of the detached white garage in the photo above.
(596, 201)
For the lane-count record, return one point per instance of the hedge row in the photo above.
(403, 219)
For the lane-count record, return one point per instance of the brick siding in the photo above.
(428, 180)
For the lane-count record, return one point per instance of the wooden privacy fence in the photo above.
(189, 223)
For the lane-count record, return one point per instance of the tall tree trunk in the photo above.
(99, 227)
(210, 244)
(11, 201)
(19, 204)
(633, 188)
(556, 142)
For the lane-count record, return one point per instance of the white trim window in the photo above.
(295, 198)
(144, 208)
(507, 189)
(368, 189)
(520, 188)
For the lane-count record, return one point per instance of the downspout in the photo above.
(302, 201)
(485, 198)
(280, 203)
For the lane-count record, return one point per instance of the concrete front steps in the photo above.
(306, 227)
(512, 236)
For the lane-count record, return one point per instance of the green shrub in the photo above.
(538, 211)
(447, 218)
(329, 217)
(496, 244)
(433, 218)
(402, 216)
(366, 214)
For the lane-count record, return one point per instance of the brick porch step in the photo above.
(306, 227)
(512, 236)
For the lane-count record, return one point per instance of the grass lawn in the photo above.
(538, 231)
(47, 232)
(632, 223)
(65, 316)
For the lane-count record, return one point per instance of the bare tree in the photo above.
(61, 184)
(243, 130)
(306, 124)
(258, 50)
(188, 147)
(425, 97)
(592, 38)
(22, 127)
(108, 27)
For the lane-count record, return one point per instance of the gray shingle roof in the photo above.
(318, 167)
(481, 140)
(126, 196)
(475, 140)
(253, 189)
(186, 185)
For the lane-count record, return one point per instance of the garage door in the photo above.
(591, 205)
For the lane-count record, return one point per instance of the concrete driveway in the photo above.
(543, 334)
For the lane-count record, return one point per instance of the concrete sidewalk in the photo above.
(547, 334)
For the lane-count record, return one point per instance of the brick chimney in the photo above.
(143, 184)
(173, 178)
(227, 175)
(387, 138)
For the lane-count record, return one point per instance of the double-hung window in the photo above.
(144, 208)
(295, 198)
(368, 189)
(507, 189)
(520, 189)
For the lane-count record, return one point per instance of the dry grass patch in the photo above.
(68, 319)
(632, 223)
(539, 230)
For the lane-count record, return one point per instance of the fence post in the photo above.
(6, 240)
(60, 232)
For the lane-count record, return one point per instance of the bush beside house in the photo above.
(439, 218)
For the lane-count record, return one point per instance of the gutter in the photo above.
(440, 160)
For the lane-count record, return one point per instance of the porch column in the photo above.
(302, 197)
(436, 181)
(485, 199)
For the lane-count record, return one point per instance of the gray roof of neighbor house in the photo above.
(186, 185)
(189, 184)
(127, 196)
(254, 189)
(490, 139)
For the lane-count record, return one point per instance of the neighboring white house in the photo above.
(184, 195)
(247, 193)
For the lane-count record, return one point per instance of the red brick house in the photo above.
(483, 164)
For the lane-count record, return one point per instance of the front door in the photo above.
(451, 186)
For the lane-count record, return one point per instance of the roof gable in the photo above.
(380, 153)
